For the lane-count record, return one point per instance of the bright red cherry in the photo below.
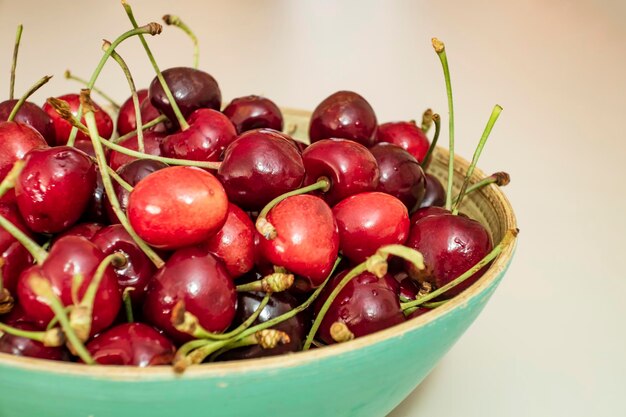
(126, 117)
(16, 139)
(177, 206)
(152, 146)
(435, 194)
(344, 114)
(407, 135)
(15, 258)
(254, 112)
(32, 115)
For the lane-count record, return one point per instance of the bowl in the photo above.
(368, 376)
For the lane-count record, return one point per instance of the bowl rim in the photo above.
(296, 359)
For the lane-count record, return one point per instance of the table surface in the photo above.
(552, 340)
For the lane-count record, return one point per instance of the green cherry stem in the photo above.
(479, 149)
(146, 126)
(150, 28)
(172, 20)
(437, 120)
(49, 338)
(170, 97)
(16, 48)
(441, 52)
(38, 253)
(25, 97)
(128, 304)
(133, 91)
(500, 178)
(8, 183)
(70, 76)
(508, 238)
(276, 282)
(108, 185)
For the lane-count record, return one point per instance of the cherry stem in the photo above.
(8, 183)
(119, 179)
(170, 97)
(25, 97)
(248, 341)
(434, 304)
(441, 52)
(479, 149)
(264, 227)
(427, 120)
(500, 178)
(42, 288)
(276, 282)
(16, 48)
(508, 238)
(437, 120)
(133, 91)
(43, 337)
(150, 28)
(377, 265)
(145, 126)
(108, 185)
(128, 304)
(170, 19)
(70, 76)
(340, 332)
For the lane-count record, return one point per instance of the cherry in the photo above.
(32, 115)
(15, 258)
(350, 167)
(254, 112)
(22, 346)
(234, 243)
(258, 167)
(407, 135)
(152, 146)
(68, 257)
(344, 114)
(63, 128)
(131, 344)
(43, 189)
(427, 211)
(365, 305)
(192, 89)
(86, 230)
(400, 174)
(209, 133)
(367, 221)
(197, 278)
(435, 194)
(16, 139)
(307, 239)
(126, 117)
(177, 206)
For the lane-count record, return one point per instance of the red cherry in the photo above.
(15, 258)
(177, 206)
(407, 135)
(86, 230)
(21, 346)
(152, 146)
(32, 115)
(63, 128)
(197, 278)
(307, 240)
(234, 243)
(126, 117)
(368, 221)
(16, 139)
(344, 114)
(427, 211)
(131, 344)
(254, 112)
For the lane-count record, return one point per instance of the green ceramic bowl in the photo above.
(365, 377)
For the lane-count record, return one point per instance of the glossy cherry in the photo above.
(427, 211)
(307, 240)
(32, 115)
(54, 188)
(400, 174)
(200, 280)
(435, 194)
(22, 346)
(407, 135)
(344, 114)
(86, 230)
(126, 117)
(177, 206)
(152, 146)
(254, 112)
(16, 139)
(15, 258)
(368, 221)
(131, 344)
(258, 167)
(350, 167)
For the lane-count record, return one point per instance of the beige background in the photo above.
(552, 341)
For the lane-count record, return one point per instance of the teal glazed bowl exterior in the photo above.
(366, 377)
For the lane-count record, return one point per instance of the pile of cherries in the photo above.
(185, 233)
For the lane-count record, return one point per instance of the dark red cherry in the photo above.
(280, 303)
(32, 115)
(131, 344)
(451, 245)
(367, 304)
(254, 112)
(400, 174)
(96, 210)
(435, 194)
(408, 288)
(63, 128)
(152, 146)
(70, 256)
(209, 133)
(15, 258)
(346, 115)
(149, 112)
(200, 280)
(427, 211)
(126, 117)
(350, 167)
(367, 221)
(407, 135)
(307, 240)
(54, 188)
(258, 167)
(86, 230)
(192, 89)
(234, 243)
(21, 346)
(16, 139)
(177, 206)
